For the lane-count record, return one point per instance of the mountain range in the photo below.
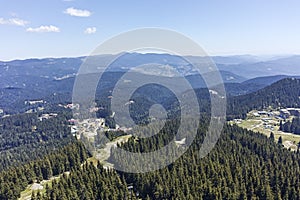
(22, 80)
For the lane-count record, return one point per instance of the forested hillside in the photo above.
(25, 137)
(243, 165)
(284, 93)
(16, 179)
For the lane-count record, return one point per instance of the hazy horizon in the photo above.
(34, 29)
(261, 56)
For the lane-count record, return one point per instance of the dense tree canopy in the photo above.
(243, 164)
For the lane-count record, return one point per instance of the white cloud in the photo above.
(90, 30)
(2, 21)
(44, 29)
(13, 21)
(77, 13)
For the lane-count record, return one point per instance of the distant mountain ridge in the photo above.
(22, 80)
(243, 65)
(289, 66)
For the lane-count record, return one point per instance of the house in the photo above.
(72, 106)
(256, 114)
(262, 112)
(284, 113)
(181, 142)
(74, 129)
(33, 102)
(266, 119)
(294, 111)
(47, 116)
(268, 126)
(238, 121)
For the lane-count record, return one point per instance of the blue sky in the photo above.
(58, 28)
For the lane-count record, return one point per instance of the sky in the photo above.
(70, 28)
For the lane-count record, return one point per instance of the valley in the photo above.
(149, 100)
(43, 142)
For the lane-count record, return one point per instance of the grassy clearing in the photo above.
(103, 154)
(26, 194)
(93, 160)
(257, 124)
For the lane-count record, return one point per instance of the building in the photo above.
(256, 114)
(33, 102)
(266, 119)
(262, 112)
(72, 106)
(284, 113)
(238, 121)
(74, 129)
(47, 116)
(294, 111)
